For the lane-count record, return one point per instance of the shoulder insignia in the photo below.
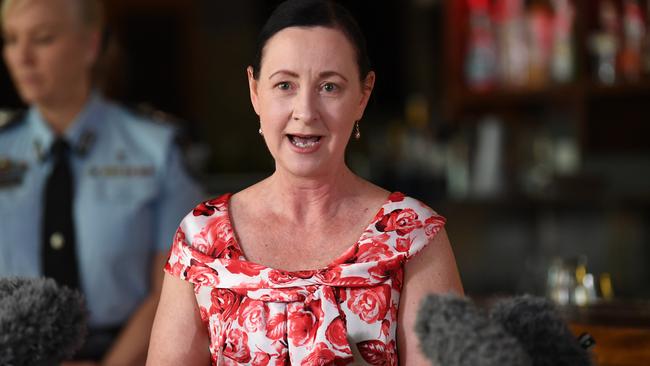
(156, 115)
(9, 118)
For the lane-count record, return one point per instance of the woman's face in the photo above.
(308, 96)
(47, 49)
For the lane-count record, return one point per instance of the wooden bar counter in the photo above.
(621, 331)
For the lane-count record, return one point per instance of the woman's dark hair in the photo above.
(313, 13)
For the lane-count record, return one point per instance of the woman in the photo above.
(289, 270)
(97, 189)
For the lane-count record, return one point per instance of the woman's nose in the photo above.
(305, 106)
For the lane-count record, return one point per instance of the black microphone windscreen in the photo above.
(40, 322)
(454, 332)
(537, 325)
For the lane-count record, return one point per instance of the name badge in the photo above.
(11, 172)
(110, 171)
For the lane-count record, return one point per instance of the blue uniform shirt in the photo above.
(131, 190)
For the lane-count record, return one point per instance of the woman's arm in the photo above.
(433, 270)
(179, 337)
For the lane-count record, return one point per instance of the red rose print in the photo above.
(282, 358)
(349, 256)
(319, 356)
(303, 274)
(224, 302)
(336, 333)
(370, 304)
(200, 243)
(396, 197)
(378, 353)
(402, 221)
(244, 267)
(179, 241)
(374, 250)
(176, 270)
(261, 359)
(253, 315)
(202, 276)
(208, 208)
(329, 295)
(276, 327)
(329, 276)
(300, 327)
(385, 268)
(219, 235)
(219, 202)
(393, 312)
(279, 277)
(379, 215)
(204, 313)
(284, 295)
(343, 294)
(398, 279)
(236, 347)
(433, 224)
(201, 258)
(314, 307)
(203, 209)
(385, 328)
(403, 244)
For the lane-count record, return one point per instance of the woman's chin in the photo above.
(304, 169)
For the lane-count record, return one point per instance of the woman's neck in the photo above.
(306, 199)
(60, 113)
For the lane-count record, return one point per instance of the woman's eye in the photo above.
(330, 87)
(283, 85)
(44, 39)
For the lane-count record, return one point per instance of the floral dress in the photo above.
(345, 313)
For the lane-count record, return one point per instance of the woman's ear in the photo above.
(252, 88)
(93, 41)
(366, 90)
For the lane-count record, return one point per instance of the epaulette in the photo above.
(156, 115)
(10, 118)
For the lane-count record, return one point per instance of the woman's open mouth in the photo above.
(307, 142)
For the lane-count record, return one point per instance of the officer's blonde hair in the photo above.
(90, 12)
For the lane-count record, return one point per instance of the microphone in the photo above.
(537, 325)
(517, 331)
(41, 323)
(454, 332)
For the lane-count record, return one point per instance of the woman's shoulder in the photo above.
(404, 217)
(214, 206)
(400, 201)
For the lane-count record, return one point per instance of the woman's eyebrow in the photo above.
(326, 74)
(285, 72)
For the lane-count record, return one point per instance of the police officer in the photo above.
(90, 194)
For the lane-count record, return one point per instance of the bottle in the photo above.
(562, 58)
(633, 35)
(480, 60)
(540, 31)
(512, 42)
(605, 43)
(646, 44)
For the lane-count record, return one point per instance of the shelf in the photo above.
(513, 98)
(618, 90)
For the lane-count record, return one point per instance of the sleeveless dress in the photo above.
(345, 313)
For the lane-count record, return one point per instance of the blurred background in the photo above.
(525, 123)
